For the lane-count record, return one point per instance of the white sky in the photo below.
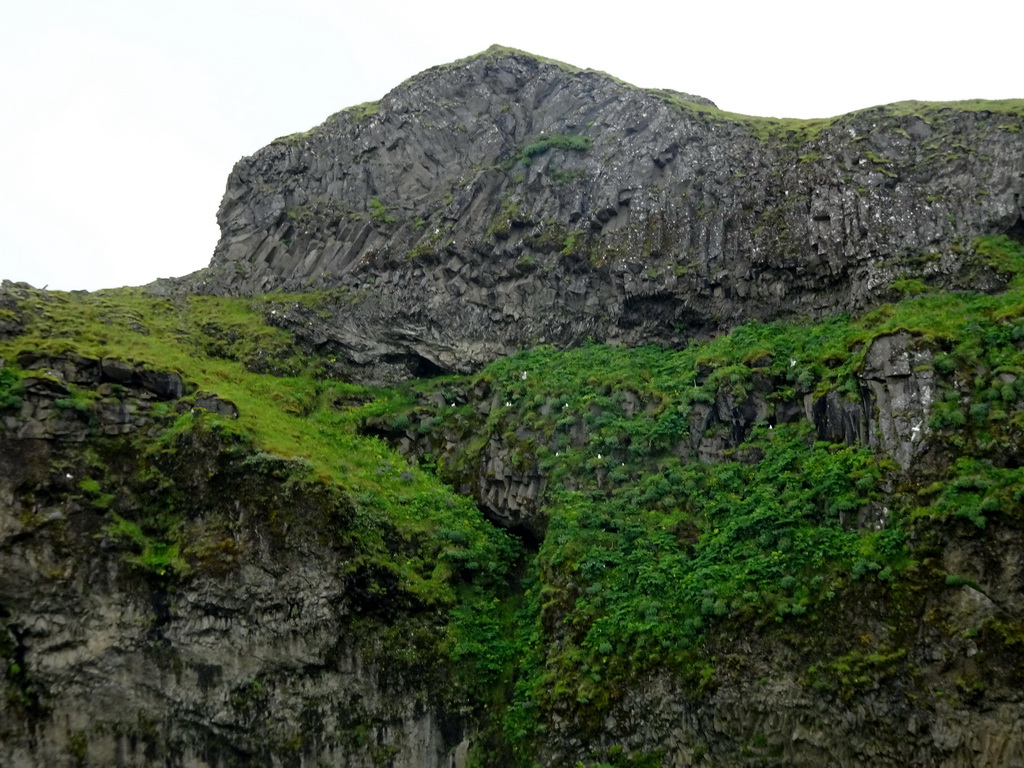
(120, 120)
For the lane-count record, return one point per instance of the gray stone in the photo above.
(117, 371)
(722, 224)
(45, 386)
(214, 404)
(166, 385)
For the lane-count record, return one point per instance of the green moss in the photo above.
(80, 400)
(802, 131)
(562, 177)
(1001, 253)
(78, 745)
(565, 142)
(954, 580)
(358, 113)
(858, 670)
(361, 112)
(911, 287)
(10, 388)
(379, 212)
(152, 554)
(295, 138)
(501, 224)
(786, 130)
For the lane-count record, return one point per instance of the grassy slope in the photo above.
(648, 561)
(216, 344)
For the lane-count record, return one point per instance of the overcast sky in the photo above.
(121, 120)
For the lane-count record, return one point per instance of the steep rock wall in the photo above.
(505, 200)
(116, 653)
(881, 677)
(271, 647)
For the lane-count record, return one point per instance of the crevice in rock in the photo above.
(23, 692)
(160, 599)
(527, 534)
(1016, 232)
(419, 367)
(652, 310)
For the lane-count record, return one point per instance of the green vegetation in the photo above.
(651, 560)
(649, 567)
(358, 113)
(379, 212)
(1002, 254)
(910, 287)
(797, 132)
(10, 388)
(641, 558)
(295, 138)
(501, 225)
(563, 176)
(155, 555)
(555, 141)
(290, 419)
(789, 130)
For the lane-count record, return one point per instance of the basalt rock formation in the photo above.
(113, 664)
(727, 467)
(505, 201)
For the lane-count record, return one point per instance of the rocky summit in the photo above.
(530, 418)
(506, 201)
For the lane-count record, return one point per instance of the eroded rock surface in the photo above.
(249, 657)
(505, 200)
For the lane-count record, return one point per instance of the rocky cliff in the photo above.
(170, 594)
(757, 498)
(505, 201)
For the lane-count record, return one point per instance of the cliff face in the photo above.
(504, 201)
(183, 599)
(888, 411)
(730, 554)
(750, 493)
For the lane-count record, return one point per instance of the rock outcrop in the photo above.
(792, 545)
(123, 654)
(493, 457)
(505, 200)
